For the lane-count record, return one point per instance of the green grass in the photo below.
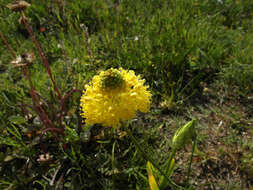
(196, 56)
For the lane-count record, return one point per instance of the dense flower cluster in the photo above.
(114, 96)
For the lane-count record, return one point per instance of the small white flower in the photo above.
(44, 158)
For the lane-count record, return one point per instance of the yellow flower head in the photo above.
(114, 96)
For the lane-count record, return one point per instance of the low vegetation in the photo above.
(196, 57)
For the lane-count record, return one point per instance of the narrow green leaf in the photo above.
(14, 132)
(152, 182)
(168, 171)
(16, 119)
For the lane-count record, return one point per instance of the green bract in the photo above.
(183, 135)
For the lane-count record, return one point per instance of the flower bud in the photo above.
(183, 135)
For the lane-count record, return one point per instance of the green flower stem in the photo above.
(163, 181)
(189, 168)
(147, 158)
(113, 163)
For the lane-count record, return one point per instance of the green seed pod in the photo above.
(183, 135)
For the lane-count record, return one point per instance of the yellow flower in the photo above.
(114, 96)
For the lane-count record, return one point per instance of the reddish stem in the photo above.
(7, 45)
(37, 107)
(64, 100)
(57, 130)
(50, 106)
(44, 59)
